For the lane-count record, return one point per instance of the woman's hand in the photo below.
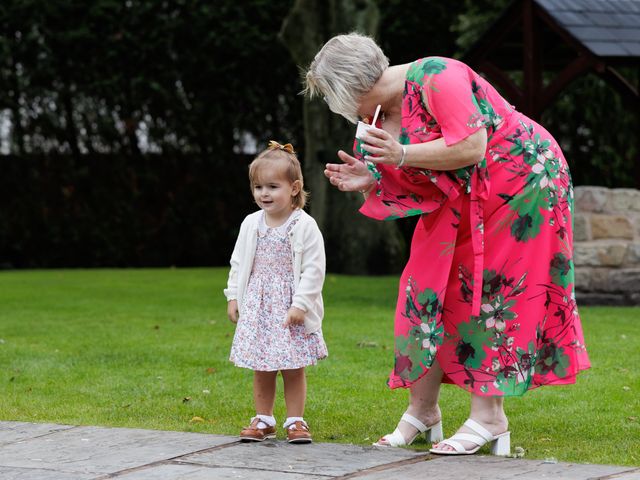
(382, 147)
(351, 176)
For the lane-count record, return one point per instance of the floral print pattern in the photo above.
(488, 290)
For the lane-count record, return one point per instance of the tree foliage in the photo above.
(113, 76)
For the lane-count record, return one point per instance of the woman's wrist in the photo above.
(403, 156)
(365, 191)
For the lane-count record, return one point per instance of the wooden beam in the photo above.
(579, 66)
(622, 85)
(532, 79)
(631, 98)
(498, 77)
(489, 42)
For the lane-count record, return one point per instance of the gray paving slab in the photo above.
(176, 471)
(11, 432)
(65, 452)
(498, 468)
(11, 473)
(98, 450)
(326, 459)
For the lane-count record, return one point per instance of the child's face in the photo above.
(274, 193)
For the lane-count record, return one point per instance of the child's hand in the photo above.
(232, 310)
(295, 316)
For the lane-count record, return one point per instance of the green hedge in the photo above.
(117, 211)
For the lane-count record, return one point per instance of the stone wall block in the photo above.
(581, 227)
(611, 226)
(632, 257)
(626, 280)
(591, 199)
(583, 278)
(595, 298)
(634, 218)
(624, 200)
(601, 253)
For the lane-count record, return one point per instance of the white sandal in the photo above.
(500, 444)
(395, 439)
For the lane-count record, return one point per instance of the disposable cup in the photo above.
(358, 151)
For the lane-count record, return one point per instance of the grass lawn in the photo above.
(149, 348)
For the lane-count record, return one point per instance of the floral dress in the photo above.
(488, 289)
(261, 341)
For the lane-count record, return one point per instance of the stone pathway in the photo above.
(30, 451)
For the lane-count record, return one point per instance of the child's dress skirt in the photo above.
(261, 341)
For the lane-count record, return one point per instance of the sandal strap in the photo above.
(421, 427)
(291, 422)
(470, 437)
(394, 439)
(453, 444)
(480, 430)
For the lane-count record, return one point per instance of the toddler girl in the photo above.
(274, 293)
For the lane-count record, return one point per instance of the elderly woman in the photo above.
(486, 300)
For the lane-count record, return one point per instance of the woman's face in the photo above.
(367, 106)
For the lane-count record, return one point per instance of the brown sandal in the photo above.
(254, 434)
(298, 432)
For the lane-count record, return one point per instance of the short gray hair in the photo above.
(344, 69)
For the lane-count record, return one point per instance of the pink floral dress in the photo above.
(488, 290)
(261, 342)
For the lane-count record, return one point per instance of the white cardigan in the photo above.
(307, 250)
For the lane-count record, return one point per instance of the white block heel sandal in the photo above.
(500, 444)
(432, 434)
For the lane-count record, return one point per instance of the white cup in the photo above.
(362, 129)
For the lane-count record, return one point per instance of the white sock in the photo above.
(291, 420)
(265, 421)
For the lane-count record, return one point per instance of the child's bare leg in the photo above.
(295, 391)
(295, 394)
(264, 392)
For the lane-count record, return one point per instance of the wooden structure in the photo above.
(567, 37)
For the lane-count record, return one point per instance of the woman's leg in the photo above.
(295, 391)
(423, 400)
(264, 392)
(488, 412)
(423, 403)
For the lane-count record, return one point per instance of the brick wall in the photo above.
(607, 245)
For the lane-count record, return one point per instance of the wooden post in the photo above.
(532, 79)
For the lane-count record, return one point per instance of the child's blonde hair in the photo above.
(283, 159)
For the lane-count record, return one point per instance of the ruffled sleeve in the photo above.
(448, 93)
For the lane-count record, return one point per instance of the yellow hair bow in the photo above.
(287, 147)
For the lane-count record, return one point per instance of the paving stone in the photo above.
(11, 432)
(100, 450)
(183, 471)
(330, 459)
(59, 452)
(12, 473)
(496, 468)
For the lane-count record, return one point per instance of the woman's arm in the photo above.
(434, 155)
